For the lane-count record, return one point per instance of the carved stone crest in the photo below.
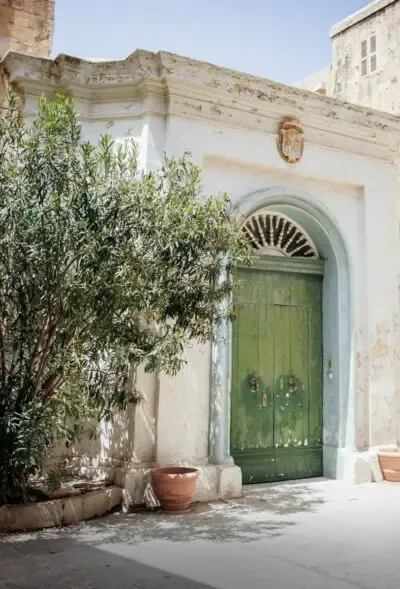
(291, 141)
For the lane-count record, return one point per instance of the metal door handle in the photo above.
(254, 384)
(293, 383)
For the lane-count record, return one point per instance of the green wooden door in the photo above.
(276, 399)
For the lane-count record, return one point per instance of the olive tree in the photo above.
(102, 269)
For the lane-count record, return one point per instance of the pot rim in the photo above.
(176, 471)
(389, 453)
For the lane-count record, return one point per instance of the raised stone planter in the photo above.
(59, 512)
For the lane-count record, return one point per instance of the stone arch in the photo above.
(339, 386)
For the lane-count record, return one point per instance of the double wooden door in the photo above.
(276, 394)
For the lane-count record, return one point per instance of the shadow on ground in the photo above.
(67, 564)
(260, 514)
(283, 499)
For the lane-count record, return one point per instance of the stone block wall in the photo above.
(27, 26)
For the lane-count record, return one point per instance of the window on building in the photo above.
(364, 67)
(369, 57)
(373, 57)
(372, 43)
(364, 50)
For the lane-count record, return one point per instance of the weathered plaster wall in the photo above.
(349, 186)
(229, 122)
(349, 204)
(183, 410)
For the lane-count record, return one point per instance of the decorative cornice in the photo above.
(193, 88)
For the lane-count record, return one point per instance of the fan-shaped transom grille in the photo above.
(275, 234)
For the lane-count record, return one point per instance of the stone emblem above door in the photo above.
(291, 141)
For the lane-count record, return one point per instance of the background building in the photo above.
(365, 67)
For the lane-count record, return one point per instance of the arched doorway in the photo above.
(277, 358)
(339, 399)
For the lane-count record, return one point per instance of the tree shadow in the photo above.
(106, 449)
(219, 523)
(215, 522)
(283, 499)
(255, 516)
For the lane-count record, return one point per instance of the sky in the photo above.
(283, 40)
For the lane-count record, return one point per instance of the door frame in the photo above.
(339, 387)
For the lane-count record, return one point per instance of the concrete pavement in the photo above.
(310, 534)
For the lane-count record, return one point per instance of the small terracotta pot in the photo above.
(389, 461)
(174, 487)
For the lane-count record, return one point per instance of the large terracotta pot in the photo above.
(174, 487)
(389, 461)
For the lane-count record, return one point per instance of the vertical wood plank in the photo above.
(244, 428)
(316, 369)
(281, 372)
(282, 288)
(299, 358)
(266, 356)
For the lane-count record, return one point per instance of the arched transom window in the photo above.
(275, 234)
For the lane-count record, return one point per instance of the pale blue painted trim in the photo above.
(218, 439)
(338, 339)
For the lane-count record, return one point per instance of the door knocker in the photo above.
(292, 383)
(254, 384)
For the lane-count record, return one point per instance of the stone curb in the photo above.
(59, 512)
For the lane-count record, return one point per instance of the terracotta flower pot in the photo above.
(389, 461)
(174, 486)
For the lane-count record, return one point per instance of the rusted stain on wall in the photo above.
(216, 110)
(197, 107)
(380, 347)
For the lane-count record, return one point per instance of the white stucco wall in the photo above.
(229, 123)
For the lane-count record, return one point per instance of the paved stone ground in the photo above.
(313, 534)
